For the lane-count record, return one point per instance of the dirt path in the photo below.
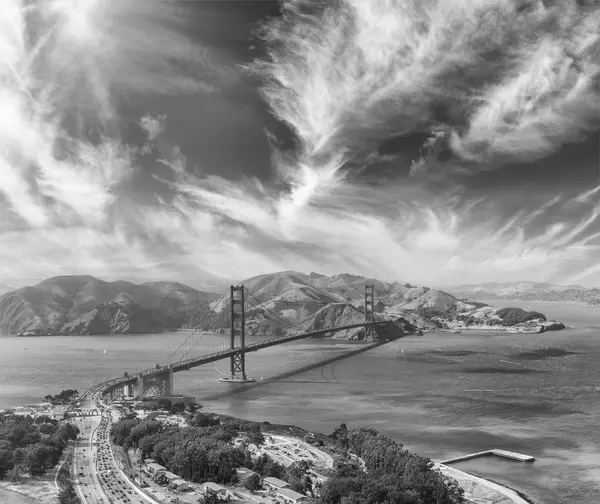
(288, 449)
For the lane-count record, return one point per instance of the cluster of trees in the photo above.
(296, 475)
(167, 405)
(31, 445)
(204, 451)
(65, 397)
(197, 453)
(393, 475)
(512, 316)
(68, 495)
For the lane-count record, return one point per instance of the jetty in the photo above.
(519, 457)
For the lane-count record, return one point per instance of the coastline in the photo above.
(479, 490)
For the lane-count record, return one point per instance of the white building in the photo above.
(213, 488)
(179, 484)
(275, 483)
(290, 496)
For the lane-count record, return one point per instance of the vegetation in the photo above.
(32, 446)
(65, 397)
(252, 483)
(512, 316)
(204, 452)
(67, 495)
(196, 454)
(393, 475)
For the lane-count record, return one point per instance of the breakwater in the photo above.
(488, 453)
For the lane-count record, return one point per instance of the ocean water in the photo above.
(442, 395)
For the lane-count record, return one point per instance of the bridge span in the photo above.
(159, 380)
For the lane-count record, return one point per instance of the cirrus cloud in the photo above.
(480, 83)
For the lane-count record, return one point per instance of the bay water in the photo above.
(441, 395)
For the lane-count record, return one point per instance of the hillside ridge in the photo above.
(529, 291)
(283, 302)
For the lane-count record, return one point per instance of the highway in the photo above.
(96, 475)
(84, 474)
(109, 477)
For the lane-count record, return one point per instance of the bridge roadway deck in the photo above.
(206, 359)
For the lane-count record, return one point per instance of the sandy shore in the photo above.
(482, 491)
(288, 449)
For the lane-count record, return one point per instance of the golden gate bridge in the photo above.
(229, 339)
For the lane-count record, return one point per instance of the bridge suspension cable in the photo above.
(272, 314)
(198, 335)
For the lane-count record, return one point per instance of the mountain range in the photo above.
(279, 302)
(528, 291)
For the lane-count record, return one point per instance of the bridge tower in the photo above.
(238, 331)
(369, 311)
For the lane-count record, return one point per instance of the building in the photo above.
(149, 461)
(179, 484)
(169, 476)
(275, 483)
(290, 496)
(243, 474)
(186, 499)
(316, 477)
(154, 468)
(213, 488)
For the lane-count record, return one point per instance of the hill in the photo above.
(87, 305)
(5, 288)
(529, 291)
(279, 303)
(300, 302)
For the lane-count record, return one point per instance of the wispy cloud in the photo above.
(486, 81)
(64, 67)
(491, 80)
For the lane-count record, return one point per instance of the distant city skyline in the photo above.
(173, 141)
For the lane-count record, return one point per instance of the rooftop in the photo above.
(213, 486)
(290, 494)
(276, 482)
(156, 467)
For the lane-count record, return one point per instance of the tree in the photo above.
(200, 420)
(16, 473)
(6, 462)
(212, 498)
(253, 482)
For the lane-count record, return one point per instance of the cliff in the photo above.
(339, 314)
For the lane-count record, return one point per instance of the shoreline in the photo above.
(510, 494)
(27, 489)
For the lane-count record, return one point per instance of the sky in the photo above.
(433, 142)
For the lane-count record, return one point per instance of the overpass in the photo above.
(159, 379)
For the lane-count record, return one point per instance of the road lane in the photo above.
(85, 478)
(117, 486)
